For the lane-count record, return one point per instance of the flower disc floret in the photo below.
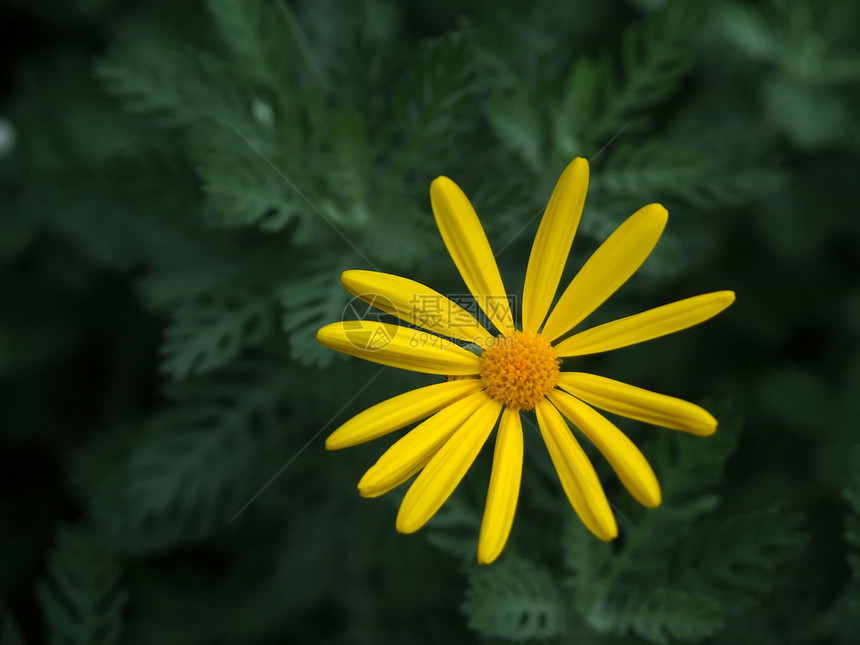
(519, 369)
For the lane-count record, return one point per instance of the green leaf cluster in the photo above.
(678, 574)
(181, 186)
(83, 595)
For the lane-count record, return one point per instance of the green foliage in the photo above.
(517, 123)
(678, 575)
(812, 52)
(595, 105)
(308, 304)
(180, 196)
(852, 520)
(689, 469)
(454, 529)
(607, 586)
(83, 596)
(244, 189)
(196, 89)
(663, 168)
(429, 100)
(515, 600)
(193, 465)
(738, 559)
(659, 615)
(652, 167)
(253, 32)
(211, 331)
(842, 618)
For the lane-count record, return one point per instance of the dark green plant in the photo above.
(180, 189)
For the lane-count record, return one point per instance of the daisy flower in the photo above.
(496, 377)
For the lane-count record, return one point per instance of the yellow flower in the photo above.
(516, 370)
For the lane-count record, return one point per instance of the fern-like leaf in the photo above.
(195, 464)
(737, 559)
(588, 568)
(645, 169)
(244, 189)
(210, 331)
(852, 520)
(192, 89)
(256, 34)
(688, 465)
(515, 600)
(659, 615)
(427, 101)
(309, 303)
(585, 559)
(349, 167)
(82, 595)
(656, 53)
(519, 126)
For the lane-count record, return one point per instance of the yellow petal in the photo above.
(467, 243)
(413, 450)
(629, 463)
(504, 488)
(445, 470)
(576, 473)
(399, 411)
(408, 349)
(637, 403)
(413, 302)
(552, 243)
(610, 267)
(649, 324)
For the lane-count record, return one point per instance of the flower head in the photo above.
(497, 377)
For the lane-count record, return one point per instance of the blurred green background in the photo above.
(165, 265)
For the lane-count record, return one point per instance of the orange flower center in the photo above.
(519, 370)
